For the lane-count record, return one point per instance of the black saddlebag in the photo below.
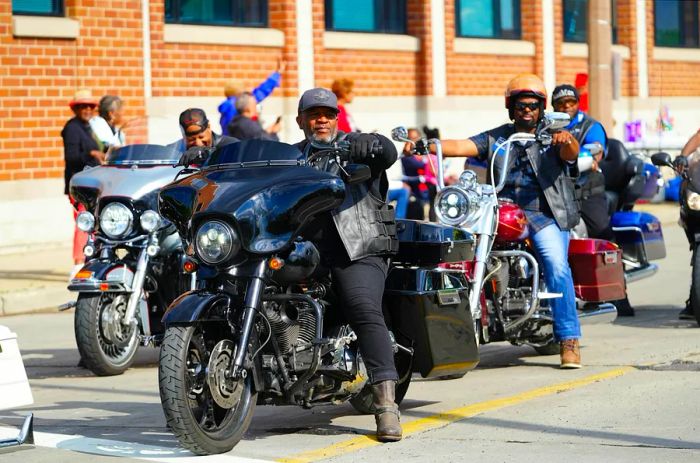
(428, 244)
(429, 308)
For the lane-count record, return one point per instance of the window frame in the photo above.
(58, 11)
(682, 28)
(613, 23)
(498, 31)
(264, 13)
(328, 21)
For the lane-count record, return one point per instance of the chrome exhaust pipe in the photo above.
(640, 272)
(598, 315)
(25, 437)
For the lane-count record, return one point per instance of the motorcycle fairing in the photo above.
(99, 271)
(190, 306)
(269, 205)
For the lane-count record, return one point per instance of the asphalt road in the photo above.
(637, 399)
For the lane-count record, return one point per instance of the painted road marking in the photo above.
(442, 419)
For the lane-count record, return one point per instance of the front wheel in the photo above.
(695, 284)
(208, 412)
(106, 345)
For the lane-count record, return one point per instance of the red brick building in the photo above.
(414, 62)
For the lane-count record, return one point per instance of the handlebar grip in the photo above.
(377, 150)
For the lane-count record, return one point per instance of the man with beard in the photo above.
(537, 180)
(355, 250)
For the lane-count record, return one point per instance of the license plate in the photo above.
(449, 297)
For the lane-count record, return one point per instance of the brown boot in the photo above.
(570, 354)
(386, 412)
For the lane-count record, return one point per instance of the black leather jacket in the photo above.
(365, 222)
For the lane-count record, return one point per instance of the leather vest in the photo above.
(365, 222)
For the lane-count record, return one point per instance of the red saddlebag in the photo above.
(596, 266)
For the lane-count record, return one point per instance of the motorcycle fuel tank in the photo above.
(512, 223)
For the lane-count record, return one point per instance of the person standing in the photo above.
(80, 149)
(245, 125)
(538, 181)
(108, 124)
(343, 90)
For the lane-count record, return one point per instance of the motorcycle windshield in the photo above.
(694, 171)
(251, 153)
(143, 155)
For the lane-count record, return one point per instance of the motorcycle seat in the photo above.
(624, 173)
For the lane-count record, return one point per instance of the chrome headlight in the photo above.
(150, 221)
(116, 220)
(453, 205)
(693, 201)
(85, 221)
(216, 242)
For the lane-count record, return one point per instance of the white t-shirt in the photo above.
(104, 132)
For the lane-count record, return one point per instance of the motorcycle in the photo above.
(263, 325)
(133, 257)
(689, 172)
(507, 298)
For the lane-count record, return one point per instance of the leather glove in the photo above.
(680, 163)
(362, 146)
(194, 155)
(422, 146)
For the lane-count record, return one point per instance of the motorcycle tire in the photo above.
(551, 348)
(98, 354)
(186, 396)
(695, 285)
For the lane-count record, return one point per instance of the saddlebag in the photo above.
(596, 266)
(429, 309)
(428, 244)
(639, 235)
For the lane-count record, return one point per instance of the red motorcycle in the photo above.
(507, 296)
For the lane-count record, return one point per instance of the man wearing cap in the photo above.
(197, 136)
(80, 149)
(355, 250)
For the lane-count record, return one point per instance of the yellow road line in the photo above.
(440, 420)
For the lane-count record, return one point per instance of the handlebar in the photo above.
(341, 149)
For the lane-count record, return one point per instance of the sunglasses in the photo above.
(520, 106)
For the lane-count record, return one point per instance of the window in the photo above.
(38, 7)
(576, 20)
(387, 16)
(495, 19)
(676, 23)
(217, 12)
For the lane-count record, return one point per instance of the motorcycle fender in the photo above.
(99, 271)
(191, 306)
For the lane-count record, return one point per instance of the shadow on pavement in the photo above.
(656, 316)
(63, 363)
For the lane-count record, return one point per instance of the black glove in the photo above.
(680, 162)
(362, 146)
(194, 155)
(422, 146)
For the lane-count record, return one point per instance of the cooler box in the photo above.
(430, 308)
(14, 385)
(639, 235)
(596, 266)
(430, 244)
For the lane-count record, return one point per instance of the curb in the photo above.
(33, 300)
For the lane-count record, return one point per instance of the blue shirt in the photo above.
(596, 134)
(228, 107)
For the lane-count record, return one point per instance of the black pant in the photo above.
(360, 287)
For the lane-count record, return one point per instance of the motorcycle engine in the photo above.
(291, 324)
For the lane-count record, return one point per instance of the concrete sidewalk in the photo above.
(36, 281)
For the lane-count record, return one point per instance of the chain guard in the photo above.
(225, 392)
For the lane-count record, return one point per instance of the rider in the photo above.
(198, 137)
(355, 250)
(538, 181)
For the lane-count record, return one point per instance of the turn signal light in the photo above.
(104, 286)
(83, 275)
(189, 266)
(276, 263)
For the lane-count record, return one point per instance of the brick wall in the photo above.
(38, 77)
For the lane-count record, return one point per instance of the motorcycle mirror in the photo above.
(400, 134)
(661, 159)
(356, 173)
(593, 148)
(556, 121)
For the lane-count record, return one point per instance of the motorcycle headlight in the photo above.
(693, 201)
(453, 205)
(216, 242)
(85, 221)
(150, 221)
(116, 220)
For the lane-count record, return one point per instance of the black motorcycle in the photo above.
(133, 257)
(264, 326)
(689, 170)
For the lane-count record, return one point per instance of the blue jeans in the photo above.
(552, 246)
(401, 196)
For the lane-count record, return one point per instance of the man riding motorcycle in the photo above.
(538, 181)
(197, 135)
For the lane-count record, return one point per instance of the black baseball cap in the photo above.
(564, 91)
(193, 116)
(317, 97)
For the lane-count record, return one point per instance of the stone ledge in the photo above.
(580, 50)
(676, 54)
(220, 35)
(45, 27)
(370, 41)
(474, 46)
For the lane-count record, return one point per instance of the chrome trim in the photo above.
(137, 289)
(603, 313)
(641, 234)
(641, 273)
(534, 301)
(254, 292)
(93, 286)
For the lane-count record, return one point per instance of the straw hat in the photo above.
(83, 96)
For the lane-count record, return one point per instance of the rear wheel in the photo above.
(206, 410)
(695, 284)
(106, 345)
